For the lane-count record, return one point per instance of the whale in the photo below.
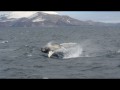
(53, 48)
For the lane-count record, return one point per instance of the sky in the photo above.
(99, 16)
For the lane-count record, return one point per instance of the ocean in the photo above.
(20, 55)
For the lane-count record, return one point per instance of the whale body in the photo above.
(53, 48)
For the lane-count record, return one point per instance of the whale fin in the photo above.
(50, 53)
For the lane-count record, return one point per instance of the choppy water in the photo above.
(20, 55)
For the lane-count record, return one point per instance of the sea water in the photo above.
(95, 55)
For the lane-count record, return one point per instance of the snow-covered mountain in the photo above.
(38, 18)
(20, 14)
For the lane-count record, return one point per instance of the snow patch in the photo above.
(68, 21)
(50, 12)
(23, 14)
(19, 14)
(38, 20)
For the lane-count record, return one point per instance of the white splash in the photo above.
(3, 41)
(69, 50)
(73, 51)
(29, 55)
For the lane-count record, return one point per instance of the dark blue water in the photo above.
(20, 55)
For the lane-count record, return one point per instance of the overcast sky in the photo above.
(100, 16)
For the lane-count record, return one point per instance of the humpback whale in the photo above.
(52, 48)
